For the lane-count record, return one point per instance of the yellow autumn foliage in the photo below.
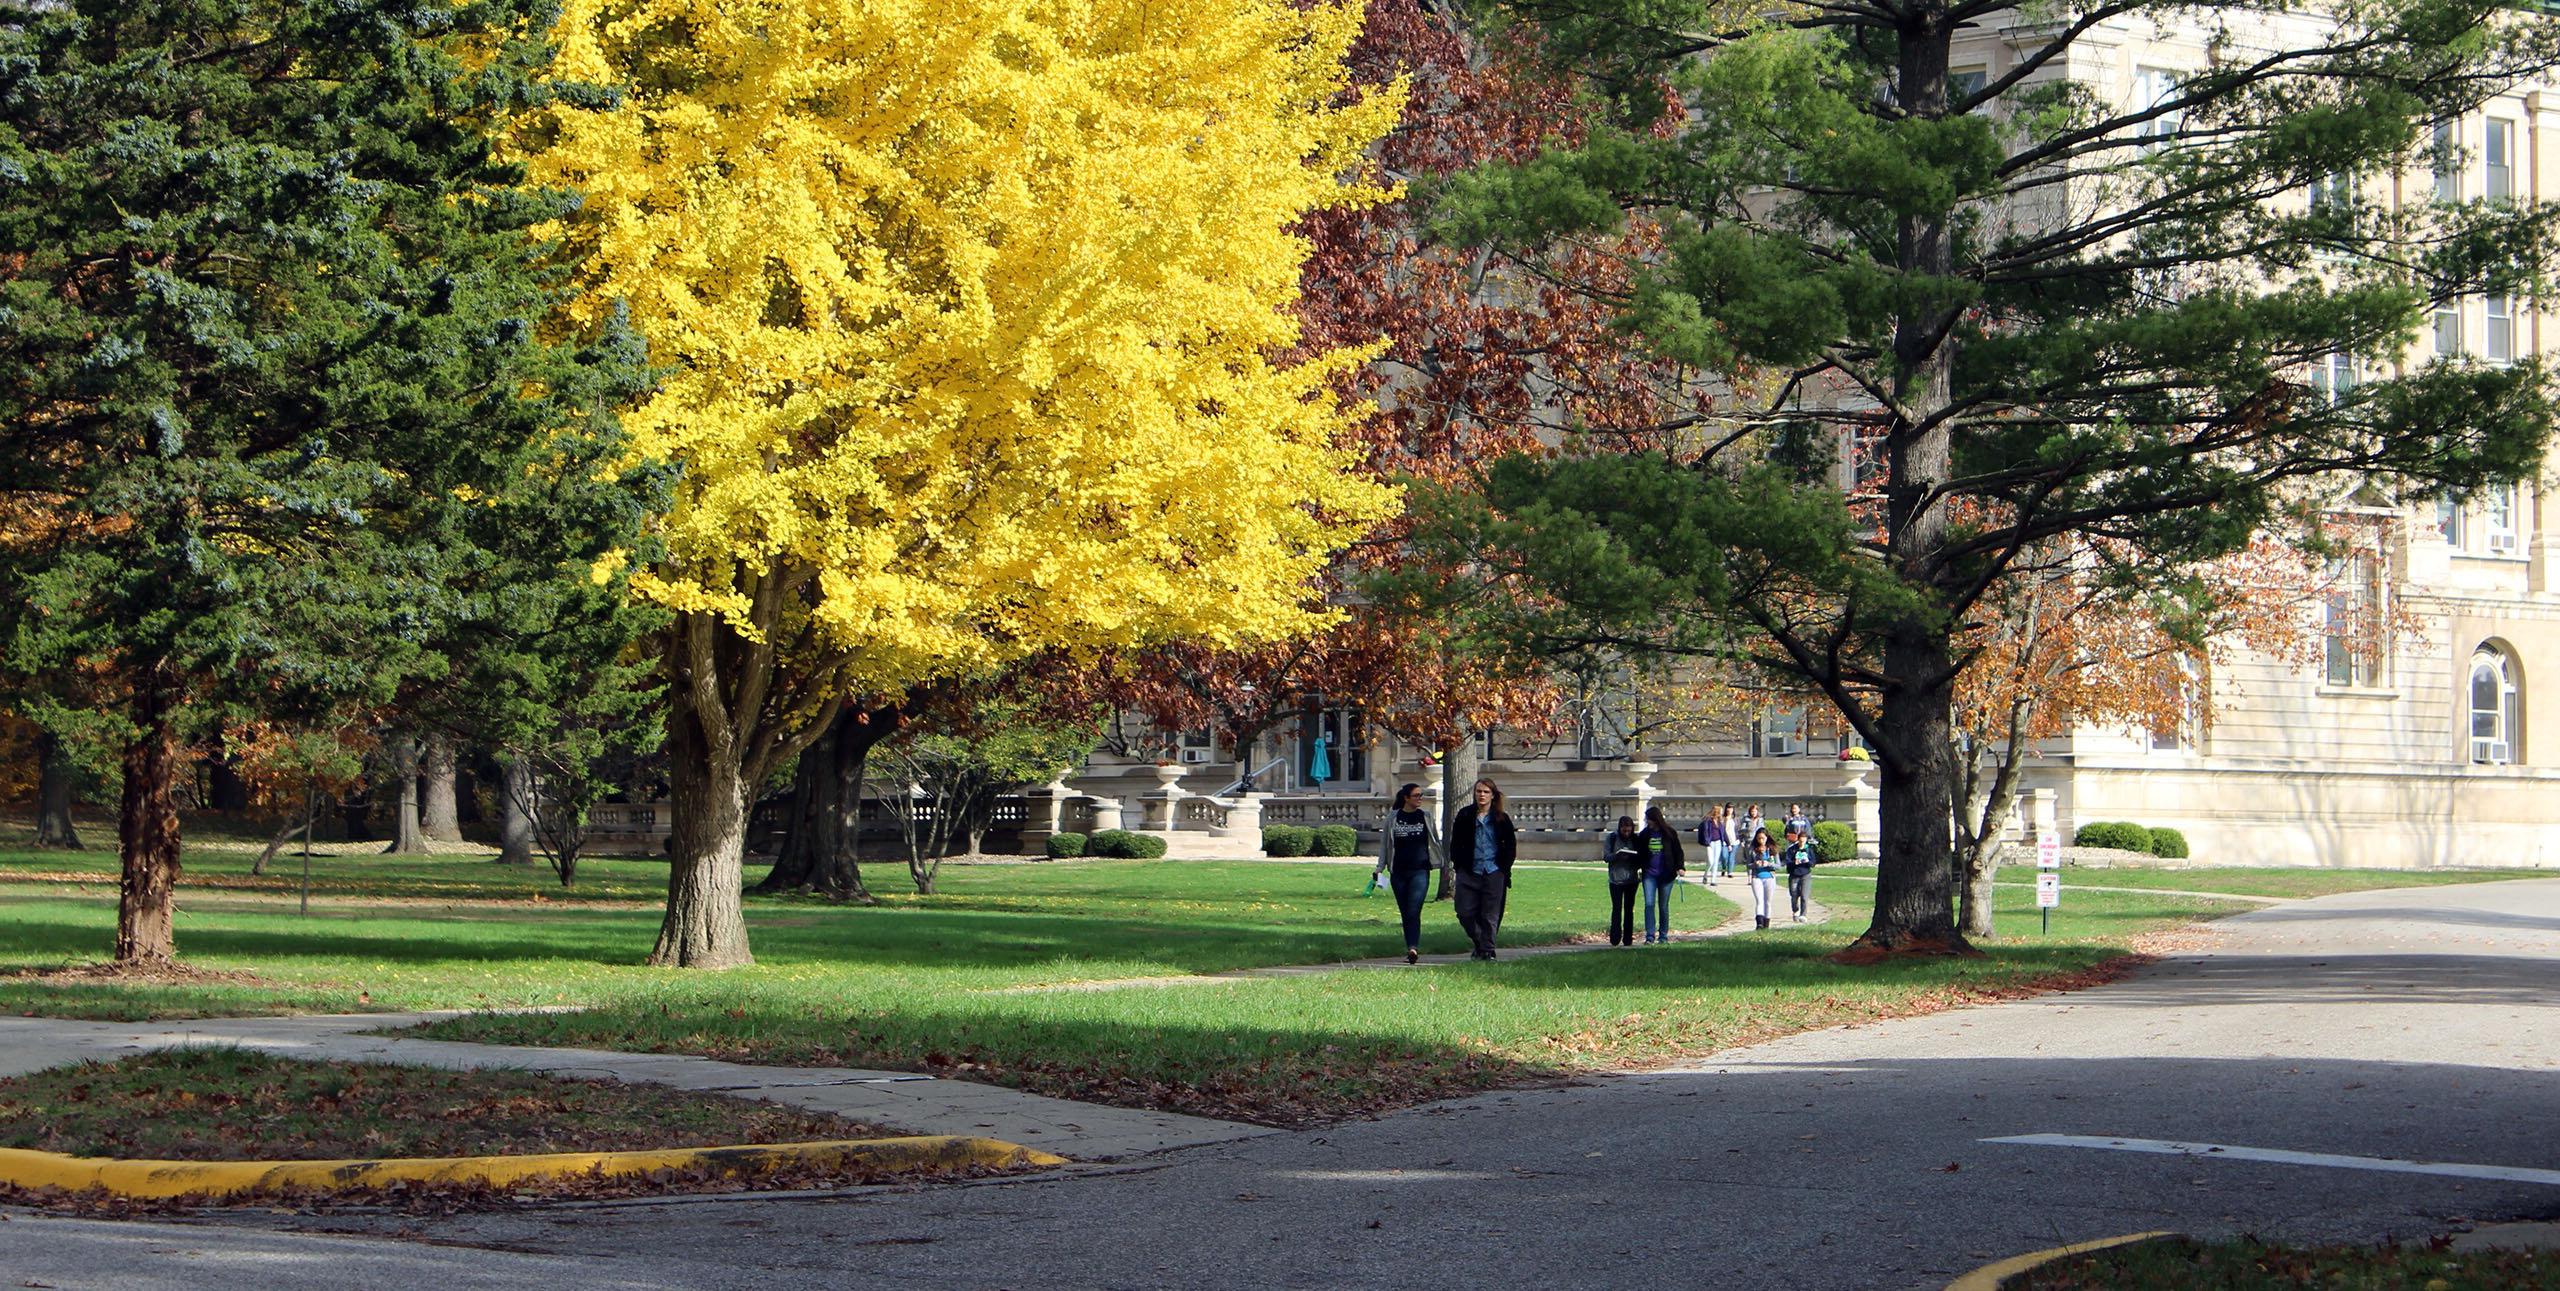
(970, 311)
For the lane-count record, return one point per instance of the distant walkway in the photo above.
(2070, 886)
(1736, 890)
(896, 1100)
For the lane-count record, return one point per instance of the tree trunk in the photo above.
(406, 838)
(297, 823)
(823, 852)
(54, 825)
(1915, 874)
(705, 925)
(515, 812)
(1980, 841)
(440, 818)
(147, 832)
(1460, 767)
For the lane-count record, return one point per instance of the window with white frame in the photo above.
(1964, 83)
(2447, 158)
(2352, 615)
(2332, 191)
(2449, 518)
(2153, 86)
(2498, 339)
(2333, 376)
(2497, 149)
(2498, 520)
(2186, 723)
(2448, 319)
(2496, 708)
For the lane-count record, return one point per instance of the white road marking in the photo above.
(2279, 1156)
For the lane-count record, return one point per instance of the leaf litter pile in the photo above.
(2250, 1265)
(212, 1104)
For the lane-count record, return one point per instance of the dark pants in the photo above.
(1622, 913)
(1413, 891)
(1479, 899)
(1799, 888)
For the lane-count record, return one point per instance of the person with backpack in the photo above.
(1761, 862)
(1623, 853)
(1714, 835)
(1798, 858)
(1407, 855)
(1663, 860)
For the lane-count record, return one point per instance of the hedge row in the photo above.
(1299, 840)
(2126, 836)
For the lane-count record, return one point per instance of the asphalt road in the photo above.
(2408, 1025)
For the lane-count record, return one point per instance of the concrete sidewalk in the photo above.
(895, 1100)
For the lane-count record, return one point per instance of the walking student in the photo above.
(1713, 835)
(1623, 852)
(1482, 845)
(1751, 824)
(1797, 857)
(1406, 858)
(1761, 862)
(1663, 861)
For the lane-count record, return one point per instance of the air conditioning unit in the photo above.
(2493, 752)
(1194, 757)
(2503, 542)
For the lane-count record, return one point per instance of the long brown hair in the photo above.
(1497, 810)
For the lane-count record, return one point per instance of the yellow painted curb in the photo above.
(1990, 1277)
(30, 1169)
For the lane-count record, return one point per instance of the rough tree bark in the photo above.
(401, 751)
(54, 825)
(515, 813)
(147, 828)
(1985, 819)
(439, 817)
(823, 851)
(705, 925)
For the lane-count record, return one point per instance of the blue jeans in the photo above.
(1413, 891)
(1657, 909)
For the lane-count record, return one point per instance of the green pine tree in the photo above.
(275, 348)
(2043, 312)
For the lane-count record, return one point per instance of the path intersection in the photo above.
(2375, 1065)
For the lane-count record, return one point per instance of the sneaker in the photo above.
(1412, 956)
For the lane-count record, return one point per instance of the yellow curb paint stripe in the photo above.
(1990, 1276)
(30, 1169)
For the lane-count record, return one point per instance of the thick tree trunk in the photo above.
(823, 852)
(439, 817)
(705, 925)
(147, 833)
(401, 751)
(1915, 875)
(515, 813)
(54, 825)
(1459, 769)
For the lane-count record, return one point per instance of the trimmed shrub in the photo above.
(1834, 840)
(2122, 835)
(1287, 840)
(1062, 846)
(1336, 840)
(2168, 842)
(1117, 843)
(1143, 847)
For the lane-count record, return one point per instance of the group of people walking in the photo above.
(1644, 861)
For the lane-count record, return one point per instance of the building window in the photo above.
(2334, 376)
(2498, 520)
(2153, 86)
(2186, 723)
(1346, 748)
(2333, 191)
(2497, 149)
(1964, 83)
(2447, 157)
(2499, 339)
(2448, 329)
(2497, 708)
(2351, 621)
(2449, 518)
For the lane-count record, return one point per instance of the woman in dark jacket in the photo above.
(1482, 846)
(1408, 851)
(1623, 852)
(1663, 861)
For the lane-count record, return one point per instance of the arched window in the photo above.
(2496, 708)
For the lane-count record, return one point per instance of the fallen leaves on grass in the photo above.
(161, 973)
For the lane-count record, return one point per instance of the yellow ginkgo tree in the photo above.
(971, 316)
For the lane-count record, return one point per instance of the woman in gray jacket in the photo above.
(1408, 853)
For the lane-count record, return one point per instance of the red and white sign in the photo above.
(2049, 889)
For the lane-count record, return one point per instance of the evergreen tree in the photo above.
(278, 347)
(2040, 310)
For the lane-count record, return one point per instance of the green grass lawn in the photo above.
(931, 983)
